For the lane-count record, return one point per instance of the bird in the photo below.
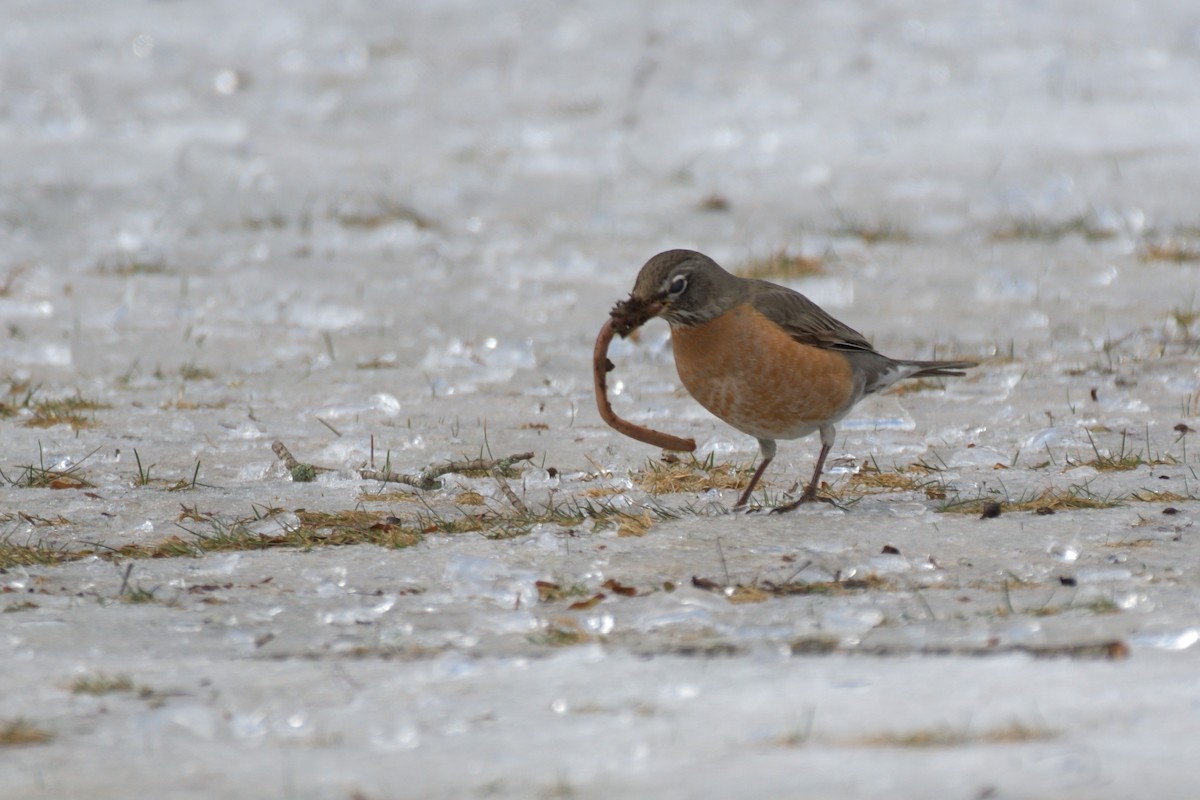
(762, 357)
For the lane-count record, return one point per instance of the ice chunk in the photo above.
(255, 471)
(390, 736)
(878, 414)
(721, 446)
(357, 615)
(1067, 553)
(1103, 574)
(1040, 440)
(14, 309)
(192, 718)
(999, 284)
(275, 525)
(850, 623)
(538, 479)
(476, 578)
(386, 403)
(43, 353)
(889, 563)
(323, 316)
(907, 509)
(976, 457)
(1167, 640)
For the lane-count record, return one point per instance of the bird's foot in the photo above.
(809, 496)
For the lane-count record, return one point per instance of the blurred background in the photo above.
(460, 190)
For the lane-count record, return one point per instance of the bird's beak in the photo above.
(629, 315)
(654, 307)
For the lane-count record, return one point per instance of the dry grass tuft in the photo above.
(630, 525)
(19, 732)
(761, 591)
(47, 413)
(1151, 496)
(1070, 499)
(948, 737)
(470, 498)
(1173, 249)
(781, 264)
(691, 477)
(100, 684)
(871, 480)
(1046, 230)
(562, 632)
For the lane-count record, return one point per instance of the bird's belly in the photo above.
(748, 371)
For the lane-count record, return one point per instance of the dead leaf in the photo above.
(548, 592)
(586, 604)
(619, 588)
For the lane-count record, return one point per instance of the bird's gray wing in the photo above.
(807, 323)
(804, 320)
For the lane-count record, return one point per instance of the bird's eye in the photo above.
(678, 285)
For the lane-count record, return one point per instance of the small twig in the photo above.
(798, 570)
(336, 432)
(285, 455)
(301, 471)
(7, 284)
(428, 478)
(125, 579)
(509, 493)
(394, 477)
(928, 608)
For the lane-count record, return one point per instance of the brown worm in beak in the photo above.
(625, 317)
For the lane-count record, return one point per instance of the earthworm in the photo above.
(601, 366)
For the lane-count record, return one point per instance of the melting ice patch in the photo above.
(878, 414)
(976, 457)
(721, 448)
(848, 623)
(489, 361)
(275, 525)
(1167, 640)
(357, 614)
(39, 353)
(15, 309)
(999, 284)
(324, 316)
(476, 578)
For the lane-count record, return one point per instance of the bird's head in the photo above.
(681, 286)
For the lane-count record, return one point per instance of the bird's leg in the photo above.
(767, 449)
(745, 498)
(810, 491)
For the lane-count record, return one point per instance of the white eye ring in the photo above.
(678, 284)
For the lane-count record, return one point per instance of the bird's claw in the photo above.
(807, 497)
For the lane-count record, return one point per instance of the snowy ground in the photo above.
(337, 225)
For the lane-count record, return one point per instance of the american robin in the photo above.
(762, 357)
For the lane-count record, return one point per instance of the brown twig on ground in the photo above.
(600, 369)
(509, 493)
(428, 477)
(7, 284)
(285, 455)
(301, 471)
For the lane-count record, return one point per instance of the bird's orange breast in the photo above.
(748, 371)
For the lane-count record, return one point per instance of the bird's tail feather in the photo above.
(931, 369)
